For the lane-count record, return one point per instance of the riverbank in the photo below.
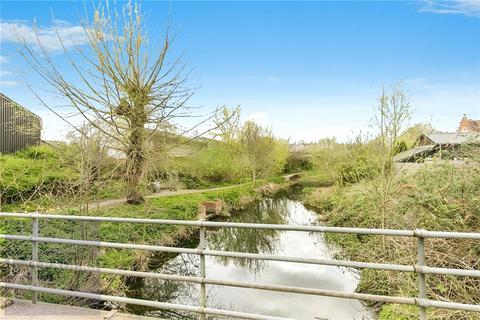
(179, 207)
(440, 198)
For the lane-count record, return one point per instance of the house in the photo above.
(19, 127)
(429, 144)
(468, 125)
(447, 139)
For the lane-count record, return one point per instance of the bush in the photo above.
(298, 161)
(356, 167)
(38, 152)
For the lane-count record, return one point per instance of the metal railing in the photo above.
(419, 268)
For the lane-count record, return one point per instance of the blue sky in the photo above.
(307, 69)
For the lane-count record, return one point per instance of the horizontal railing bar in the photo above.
(448, 235)
(326, 262)
(327, 293)
(280, 227)
(256, 256)
(101, 244)
(193, 223)
(448, 271)
(448, 305)
(247, 285)
(213, 224)
(140, 302)
(323, 229)
(127, 273)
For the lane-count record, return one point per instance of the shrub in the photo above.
(356, 167)
(38, 152)
(298, 161)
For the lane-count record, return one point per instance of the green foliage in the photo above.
(357, 166)
(264, 154)
(245, 153)
(410, 135)
(298, 161)
(398, 312)
(438, 197)
(38, 152)
(218, 162)
(183, 207)
(400, 146)
(24, 175)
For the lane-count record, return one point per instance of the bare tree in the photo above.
(118, 87)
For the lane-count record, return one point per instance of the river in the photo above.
(296, 244)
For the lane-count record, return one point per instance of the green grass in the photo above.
(183, 207)
(20, 177)
(440, 198)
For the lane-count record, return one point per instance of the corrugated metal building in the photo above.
(19, 127)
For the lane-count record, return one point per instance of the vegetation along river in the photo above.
(297, 244)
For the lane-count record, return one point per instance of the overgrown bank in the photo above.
(439, 197)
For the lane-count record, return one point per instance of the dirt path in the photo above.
(116, 202)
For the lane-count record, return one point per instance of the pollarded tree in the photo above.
(121, 86)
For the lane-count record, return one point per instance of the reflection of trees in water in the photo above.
(167, 290)
(171, 291)
(272, 211)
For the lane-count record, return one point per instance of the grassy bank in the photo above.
(439, 197)
(182, 207)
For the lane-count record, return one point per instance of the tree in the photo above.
(118, 87)
(227, 122)
(392, 112)
(264, 153)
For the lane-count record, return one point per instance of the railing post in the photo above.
(34, 258)
(422, 286)
(203, 289)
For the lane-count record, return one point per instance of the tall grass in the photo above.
(438, 197)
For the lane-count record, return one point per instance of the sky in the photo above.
(308, 70)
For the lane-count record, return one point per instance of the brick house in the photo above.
(469, 125)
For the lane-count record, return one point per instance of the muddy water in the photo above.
(295, 244)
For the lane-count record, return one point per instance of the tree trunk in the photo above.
(135, 164)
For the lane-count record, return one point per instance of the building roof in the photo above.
(453, 137)
(2, 96)
(412, 154)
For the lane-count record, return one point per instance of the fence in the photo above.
(420, 268)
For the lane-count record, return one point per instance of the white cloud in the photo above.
(48, 37)
(5, 73)
(8, 83)
(260, 118)
(3, 59)
(465, 7)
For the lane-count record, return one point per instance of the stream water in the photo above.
(296, 244)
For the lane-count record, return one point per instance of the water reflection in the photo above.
(299, 244)
(272, 211)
